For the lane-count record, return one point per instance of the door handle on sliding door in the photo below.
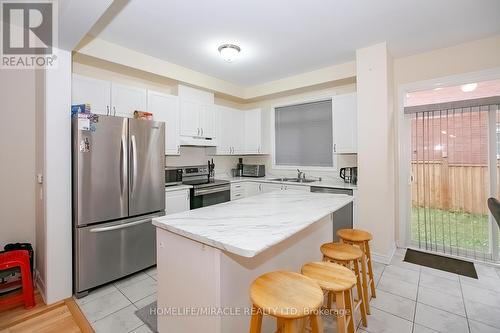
(133, 154)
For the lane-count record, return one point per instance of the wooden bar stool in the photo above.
(337, 280)
(349, 256)
(361, 238)
(289, 297)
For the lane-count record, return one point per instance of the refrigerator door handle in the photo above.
(134, 163)
(119, 226)
(123, 163)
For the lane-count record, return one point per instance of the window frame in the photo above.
(275, 166)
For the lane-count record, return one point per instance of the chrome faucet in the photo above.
(301, 175)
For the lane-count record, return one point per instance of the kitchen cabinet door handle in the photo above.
(201, 131)
(114, 111)
(107, 110)
(335, 148)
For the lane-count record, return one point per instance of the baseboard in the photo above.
(40, 285)
(384, 258)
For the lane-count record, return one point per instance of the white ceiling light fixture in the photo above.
(229, 52)
(469, 87)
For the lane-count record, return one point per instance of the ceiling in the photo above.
(279, 38)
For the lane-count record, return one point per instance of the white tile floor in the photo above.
(111, 308)
(410, 299)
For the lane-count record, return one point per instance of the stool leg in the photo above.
(330, 299)
(361, 297)
(290, 326)
(256, 321)
(370, 269)
(28, 294)
(316, 323)
(341, 318)
(364, 276)
(351, 328)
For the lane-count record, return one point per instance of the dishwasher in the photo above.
(342, 219)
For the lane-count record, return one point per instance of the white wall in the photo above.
(17, 161)
(376, 211)
(54, 222)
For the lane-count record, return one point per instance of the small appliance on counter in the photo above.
(173, 176)
(254, 170)
(239, 167)
(349, 175)
(206, 190)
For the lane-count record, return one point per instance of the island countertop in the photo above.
(249, 226)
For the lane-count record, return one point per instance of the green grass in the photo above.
(452, 228)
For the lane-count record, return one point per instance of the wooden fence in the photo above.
(450, 187)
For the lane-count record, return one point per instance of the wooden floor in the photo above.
(61, 317)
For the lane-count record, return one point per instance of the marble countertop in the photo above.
(249, 226)
(331, 183)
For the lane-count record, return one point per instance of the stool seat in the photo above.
(330, 276)
(354, 235)
(286, 294)
(341, 251)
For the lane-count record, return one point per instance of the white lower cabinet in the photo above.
(253, 188)
(268, 187)
(176, 201)
(297, 187)
(242, 190)
(238, 191)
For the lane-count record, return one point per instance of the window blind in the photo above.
(304, 135)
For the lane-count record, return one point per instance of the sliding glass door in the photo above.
(454, 166)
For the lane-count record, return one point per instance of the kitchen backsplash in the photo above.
(224, 164)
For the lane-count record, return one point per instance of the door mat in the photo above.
(452, 265)
(148, 316)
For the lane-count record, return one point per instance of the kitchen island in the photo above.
(208, 257)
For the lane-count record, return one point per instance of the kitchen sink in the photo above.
(294, 180)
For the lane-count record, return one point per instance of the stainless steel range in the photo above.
(206, 191)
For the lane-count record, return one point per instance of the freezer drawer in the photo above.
(109, 251)
(343, 218)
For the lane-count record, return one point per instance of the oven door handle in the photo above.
(215, 189)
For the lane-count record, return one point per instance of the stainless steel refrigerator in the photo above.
(118, 187)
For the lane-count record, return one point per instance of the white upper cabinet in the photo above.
(238, 132)
(253, 132)
(197, 114)
(230, 124)
(197, 119)
(207, 121)
(126, 100)
(108, 98)
(190, 125)
(91, 91)
(345, 124)
(166, 108)
(224, 116)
